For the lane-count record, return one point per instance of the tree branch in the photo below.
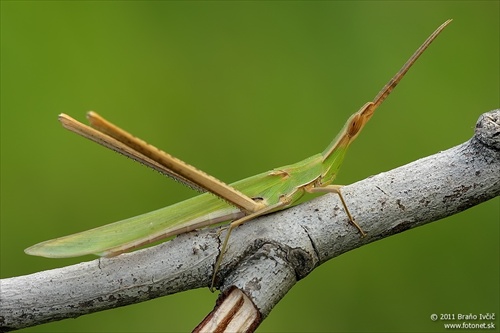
(268, 255)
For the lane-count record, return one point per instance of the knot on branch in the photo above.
(488, 129)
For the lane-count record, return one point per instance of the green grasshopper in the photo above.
(244, 200)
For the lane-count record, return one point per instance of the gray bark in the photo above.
(268, 255)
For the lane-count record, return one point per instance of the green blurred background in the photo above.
(237, 88)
